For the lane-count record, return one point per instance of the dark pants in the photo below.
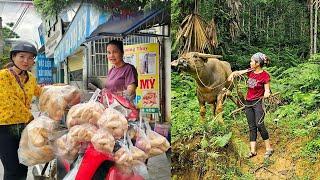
(255, 116)
(9, 144)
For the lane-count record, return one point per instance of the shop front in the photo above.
(70, 56)
(147, 47)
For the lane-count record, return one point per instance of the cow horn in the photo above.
(202, 55)
(174, 63)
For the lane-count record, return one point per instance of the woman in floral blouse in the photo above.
(17, 87)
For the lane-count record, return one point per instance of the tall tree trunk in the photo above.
(268, 28)
(274, 23)
(243, 17)
(259, 22)
(311, 26)
(249, 26)
(256, 20)
(291, 29)
(315, 27)
(301, 26)
(273, 29)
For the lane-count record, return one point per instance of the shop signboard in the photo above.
(53, 34)
(44, 69)
(145, 57)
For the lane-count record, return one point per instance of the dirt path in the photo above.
(283, 164)
(276, 167)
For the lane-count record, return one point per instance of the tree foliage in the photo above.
(7, 33)
(49, 8)
(275, 27)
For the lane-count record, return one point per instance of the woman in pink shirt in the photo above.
(122, 78)
(258, 88)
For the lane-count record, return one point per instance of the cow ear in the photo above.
(204, 59)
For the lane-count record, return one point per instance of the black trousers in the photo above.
(9, 144)
(255, 116)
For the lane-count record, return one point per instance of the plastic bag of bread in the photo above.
(70, 93)
(159, 144)
(84, 113)
(123, 157)
(114, 122)
(39, 130)
(82, 133)
(132, 131)
(66, 148)
(29, 155)
(142, 142)
(138, 156)
(103, 141)
(54, 100)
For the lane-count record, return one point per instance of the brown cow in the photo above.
(211, 77)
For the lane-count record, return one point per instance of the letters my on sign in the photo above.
(147, 83)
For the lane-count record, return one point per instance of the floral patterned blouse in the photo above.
(15, 103)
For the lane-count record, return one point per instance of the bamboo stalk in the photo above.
(268, 28)
(257, 19)
(249, 29)
(311, 26)
(315, 27)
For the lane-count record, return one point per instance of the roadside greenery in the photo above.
(250, 26)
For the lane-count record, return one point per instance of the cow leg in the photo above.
(202, 111)
(213, 109)
(202, 105)
(220, 100)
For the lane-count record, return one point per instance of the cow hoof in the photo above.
(218, 111)
(202, 119)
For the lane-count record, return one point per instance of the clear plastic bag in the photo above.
(141, 170)
(72, 174)
(30, 156)
(120, 103)
(142, 142)
(66, 148)
(39, 130)
(138, 156)
(89, 112)
(35, 146)
(132, 130)
(114, 122)
(103, 141)
(54, 100)
(159, 144)
(123, 157)
(82, 133)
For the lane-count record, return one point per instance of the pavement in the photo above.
(159, 167)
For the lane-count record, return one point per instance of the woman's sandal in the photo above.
(268, 153)
(252, 154)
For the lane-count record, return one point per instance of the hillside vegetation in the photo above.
(212, 150)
